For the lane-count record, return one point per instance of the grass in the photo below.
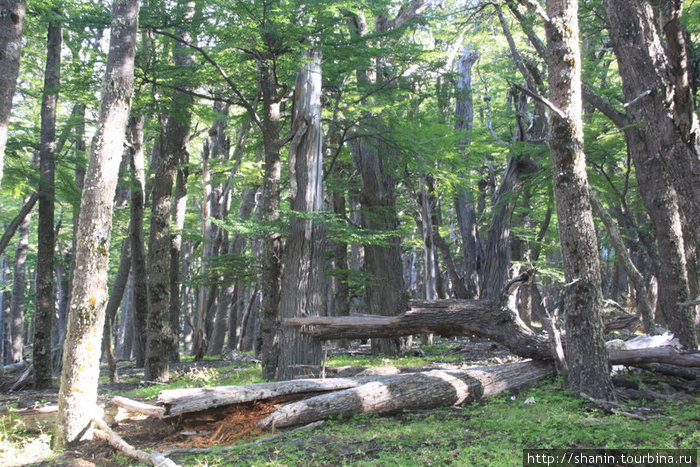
(493, 432)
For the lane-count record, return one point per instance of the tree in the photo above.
(585, 349)
(658, 92)
(43, 369)
(78, 392)
(164, 245)
(302, 280)
(11, 25)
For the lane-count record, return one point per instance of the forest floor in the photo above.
(492, 432)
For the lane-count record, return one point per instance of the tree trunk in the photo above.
(410, 391)
(303, 278)
(657, 92)
(585, 349)
(43, 369)
(5, 298)
(643, 303)
(125, 335)
(385, 294)
(139, 319)
(11, 24)
(164, 245)
(10, 229)
(78, 393)
(115, 299)
(272, 240)
(19, 283)
(464, 203)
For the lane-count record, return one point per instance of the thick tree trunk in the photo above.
(43, 369)
(657, 92)
(78, 393)
(585, 349)
(272, 240)
(385, 294)
(11, 24)
(19, 282)
(164, 245)
(410, 391)
(303, 278)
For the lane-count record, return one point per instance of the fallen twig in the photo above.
(310, 426)
(613, 407)
(138, 407)
(106, 433)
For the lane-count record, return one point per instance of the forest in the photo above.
(284, 181)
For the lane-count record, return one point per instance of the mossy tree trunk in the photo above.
(585, 350)
(77, 401)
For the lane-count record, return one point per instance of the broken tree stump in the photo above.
(410, 391)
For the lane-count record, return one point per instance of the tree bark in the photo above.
(585, 349)
(657, 92)
(303, 278)
(464, 202)
(78, 392)
(164, 245)
(12, 14)
(484, 318)
(410, 391)
(10, 229)
(43, 369)
(19, 282)
(385, 294)
(139, 277)
(272, 239)
(115, 299)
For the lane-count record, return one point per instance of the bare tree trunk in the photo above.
(303, 278)
(585, 348)
(139, 318)
(464, 203)
(11, 24)
(5, 298)
(385, 294)
(78, 393)
(19, 284)
(125, 334)
(115, 299)
(10, 229)
(43, 369)
(164, 245)
(658, 97)
(272, 241)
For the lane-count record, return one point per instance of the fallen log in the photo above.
(665, 354)
(410, 391)
(483, 318)
(180, 401)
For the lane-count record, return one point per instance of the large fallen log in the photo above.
(180, 401)
(410, 391)
(483, 318)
